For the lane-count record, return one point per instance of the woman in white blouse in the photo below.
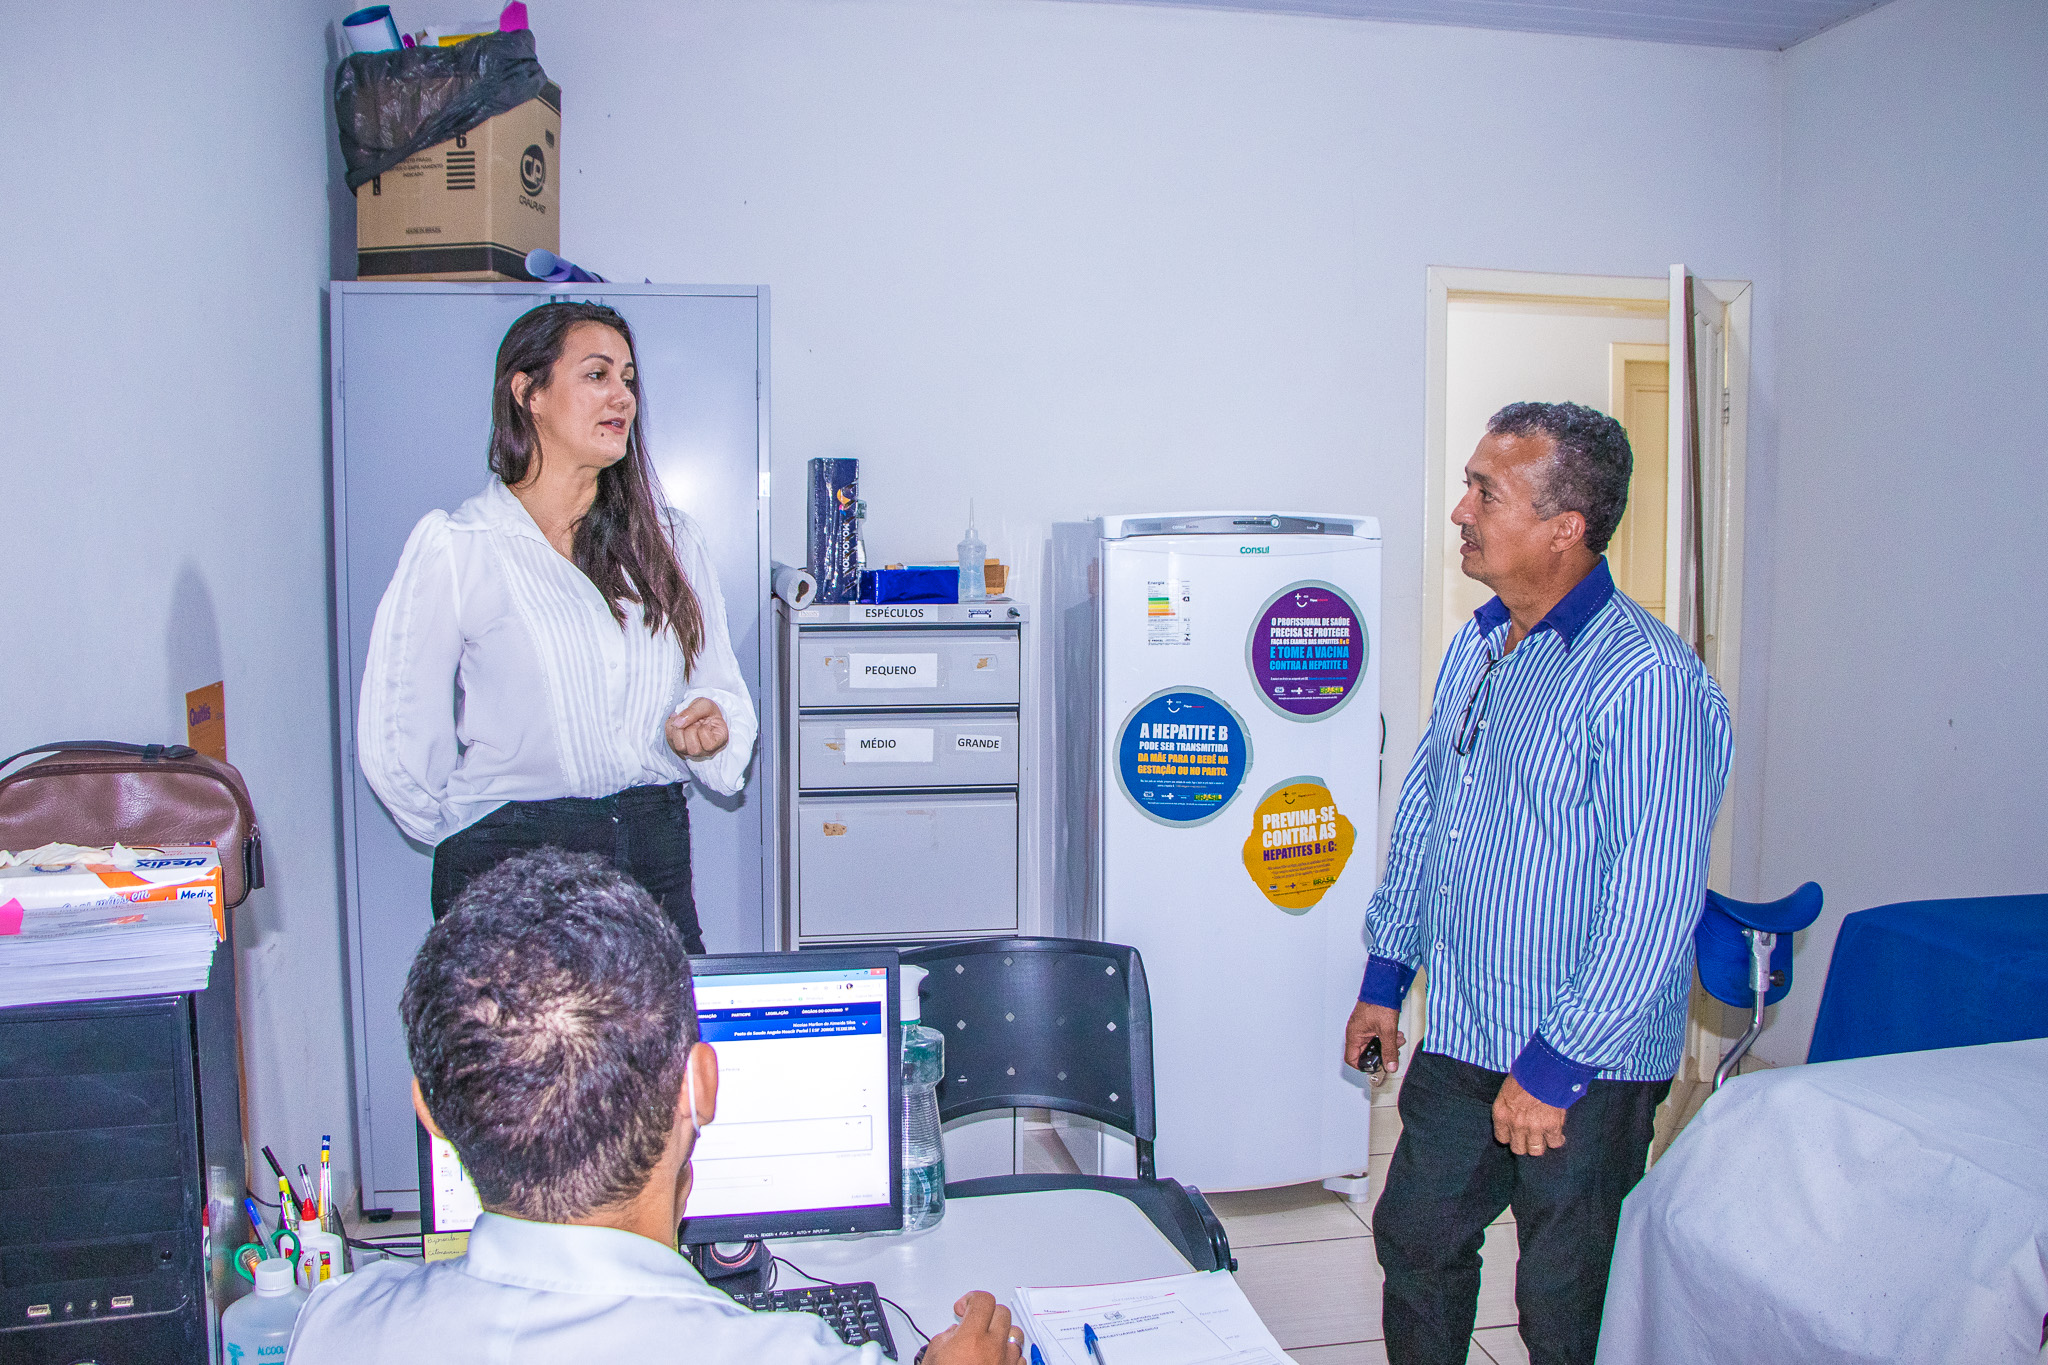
(551, 662)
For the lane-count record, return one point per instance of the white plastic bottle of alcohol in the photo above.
(256, 1329)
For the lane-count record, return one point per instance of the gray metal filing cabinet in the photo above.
(902, 771)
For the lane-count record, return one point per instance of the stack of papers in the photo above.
(1198, 1319)
(79, 923)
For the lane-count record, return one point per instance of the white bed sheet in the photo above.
(1882, 1209)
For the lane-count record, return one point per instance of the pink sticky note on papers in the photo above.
(10, 918)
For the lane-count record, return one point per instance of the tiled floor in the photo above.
(1305, 1259)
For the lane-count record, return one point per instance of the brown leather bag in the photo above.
(101, 791)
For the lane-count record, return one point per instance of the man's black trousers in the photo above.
(1449, 1179)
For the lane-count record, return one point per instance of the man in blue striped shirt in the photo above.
(1548, 866)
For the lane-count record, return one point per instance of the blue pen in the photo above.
(1036, 1358)
(256, 1226)
(1093, 1343)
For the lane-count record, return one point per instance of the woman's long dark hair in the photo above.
(620, 543)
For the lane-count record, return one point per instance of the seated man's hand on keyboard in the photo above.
(984, 1336)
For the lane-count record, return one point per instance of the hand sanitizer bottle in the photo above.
(973, 556)
(924, 1159)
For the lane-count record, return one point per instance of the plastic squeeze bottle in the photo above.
(924, 1160)
(313, 1240)
(257, 1328)
(973, 558)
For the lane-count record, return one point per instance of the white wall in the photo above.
(1070, 259)
(161, 434)
(1905, 754)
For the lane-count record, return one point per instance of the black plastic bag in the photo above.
(390, 105)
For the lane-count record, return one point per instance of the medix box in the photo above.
(162, 872)
(469, 208)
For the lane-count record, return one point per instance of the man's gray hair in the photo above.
(1589, 473)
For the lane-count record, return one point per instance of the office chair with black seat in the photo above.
(1062, 1024)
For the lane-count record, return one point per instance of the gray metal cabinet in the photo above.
(901, 772)
(412, 367)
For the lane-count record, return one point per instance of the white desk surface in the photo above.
(1877, 1209)
(994, 1242)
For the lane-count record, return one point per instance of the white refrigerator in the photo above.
(1217, 684)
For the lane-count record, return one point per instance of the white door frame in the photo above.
(1736, 296)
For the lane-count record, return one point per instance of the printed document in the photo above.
(1197, 1319)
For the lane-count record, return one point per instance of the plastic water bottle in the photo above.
(256, 1329)
(973, 565)
(924, 1160)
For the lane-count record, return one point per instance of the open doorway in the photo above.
(1608, 354)
(1676, 375)
(1605, 341)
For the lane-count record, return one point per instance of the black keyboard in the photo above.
(854, 1311)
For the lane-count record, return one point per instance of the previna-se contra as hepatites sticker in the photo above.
(1299, 844)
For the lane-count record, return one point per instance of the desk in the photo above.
(992, 1242)
(1881, 1209)
(1928, 974)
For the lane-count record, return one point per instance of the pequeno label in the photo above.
(892, 670)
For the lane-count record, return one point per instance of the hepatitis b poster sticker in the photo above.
(1182, 755)
(1299, 844)
(1307, 650)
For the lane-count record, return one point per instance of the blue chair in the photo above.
(1744, 951)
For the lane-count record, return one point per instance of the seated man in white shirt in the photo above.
(553, 1036)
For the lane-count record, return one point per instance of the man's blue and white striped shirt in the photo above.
(1551, 878)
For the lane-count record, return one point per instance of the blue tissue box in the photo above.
(911, 585)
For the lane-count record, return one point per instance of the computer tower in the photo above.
(102, 1249)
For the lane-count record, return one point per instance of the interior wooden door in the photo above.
(1640, 401)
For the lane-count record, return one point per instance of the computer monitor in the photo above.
(448, 1200)
(809, 1133)
(808, 1137)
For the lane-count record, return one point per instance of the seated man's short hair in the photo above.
(549, 1017)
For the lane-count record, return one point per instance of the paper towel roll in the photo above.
(794, 586)
(371, 30)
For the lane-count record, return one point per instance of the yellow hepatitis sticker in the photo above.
(1299, 844)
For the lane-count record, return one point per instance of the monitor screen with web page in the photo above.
(809, 1121)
